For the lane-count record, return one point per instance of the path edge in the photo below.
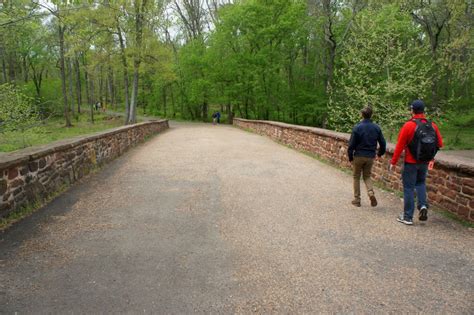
(32, 177)
(450, 184)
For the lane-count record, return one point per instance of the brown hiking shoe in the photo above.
(373, 201)
(356, 203)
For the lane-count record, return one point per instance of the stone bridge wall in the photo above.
(34, 174)
(450, 184)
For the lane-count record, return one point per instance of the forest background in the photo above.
(308, 62)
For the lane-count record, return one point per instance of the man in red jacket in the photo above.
(414, 172)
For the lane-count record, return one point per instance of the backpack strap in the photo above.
(419, 122)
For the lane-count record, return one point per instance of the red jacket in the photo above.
(404, 138)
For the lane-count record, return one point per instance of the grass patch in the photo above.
(17, 215)
(25, 211)
(454, 217)
(457, 138)
(54, 129)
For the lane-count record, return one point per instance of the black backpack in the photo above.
(424, 144)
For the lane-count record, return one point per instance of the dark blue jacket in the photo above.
(364, 138)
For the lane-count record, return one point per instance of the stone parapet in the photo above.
(450, 184)
(34, 174)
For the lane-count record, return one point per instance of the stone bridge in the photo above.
(213, 219)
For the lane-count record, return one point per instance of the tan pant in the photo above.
(362, 165)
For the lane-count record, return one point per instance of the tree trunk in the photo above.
(164, 101)
(92, 90)
(246, 103)
(239, 109)
(172, 102)
(63, 73)
(143, 98)
(204, 110)
(86, 85)
(434, 83)
(11, 68)
(101, 88)
(25, 69)
(133, 103)
(71, 85)
(78, 84)
(4, 71)
(182, 97)
(230, 116)
(123, 57)
(330, 43)
(111, 88)
(86, 79)
(90, 94)
(37, 78)
(137, 58)
(106, 91)
(91, 108)
(37, 82)
(4, 67)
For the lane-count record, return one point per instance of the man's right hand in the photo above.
(391, 168)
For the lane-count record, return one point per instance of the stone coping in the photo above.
(448, 162)
(24, 155)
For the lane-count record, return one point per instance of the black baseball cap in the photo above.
(417, 106)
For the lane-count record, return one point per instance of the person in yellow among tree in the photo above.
(362, 152)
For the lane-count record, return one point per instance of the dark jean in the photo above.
(414, 178)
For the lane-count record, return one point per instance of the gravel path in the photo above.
(212, 219)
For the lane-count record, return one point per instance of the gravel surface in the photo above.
(212, 219)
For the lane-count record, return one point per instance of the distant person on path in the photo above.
(218, 116)
(362, 152)
(214, 118)
(420, 139)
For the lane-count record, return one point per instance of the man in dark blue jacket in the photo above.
(362, 152)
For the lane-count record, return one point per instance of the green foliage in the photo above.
(382, 67)
(17, 112)
(256, 53)
(49, 103)
(195, 85)
(457, 128)
(304, 62)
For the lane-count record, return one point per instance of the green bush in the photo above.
(17, 111)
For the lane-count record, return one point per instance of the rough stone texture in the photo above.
(450, 184)
(32, 175)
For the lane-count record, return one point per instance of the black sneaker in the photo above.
(423, 214)
(401, 219)
(373, 201)
(356, 202)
